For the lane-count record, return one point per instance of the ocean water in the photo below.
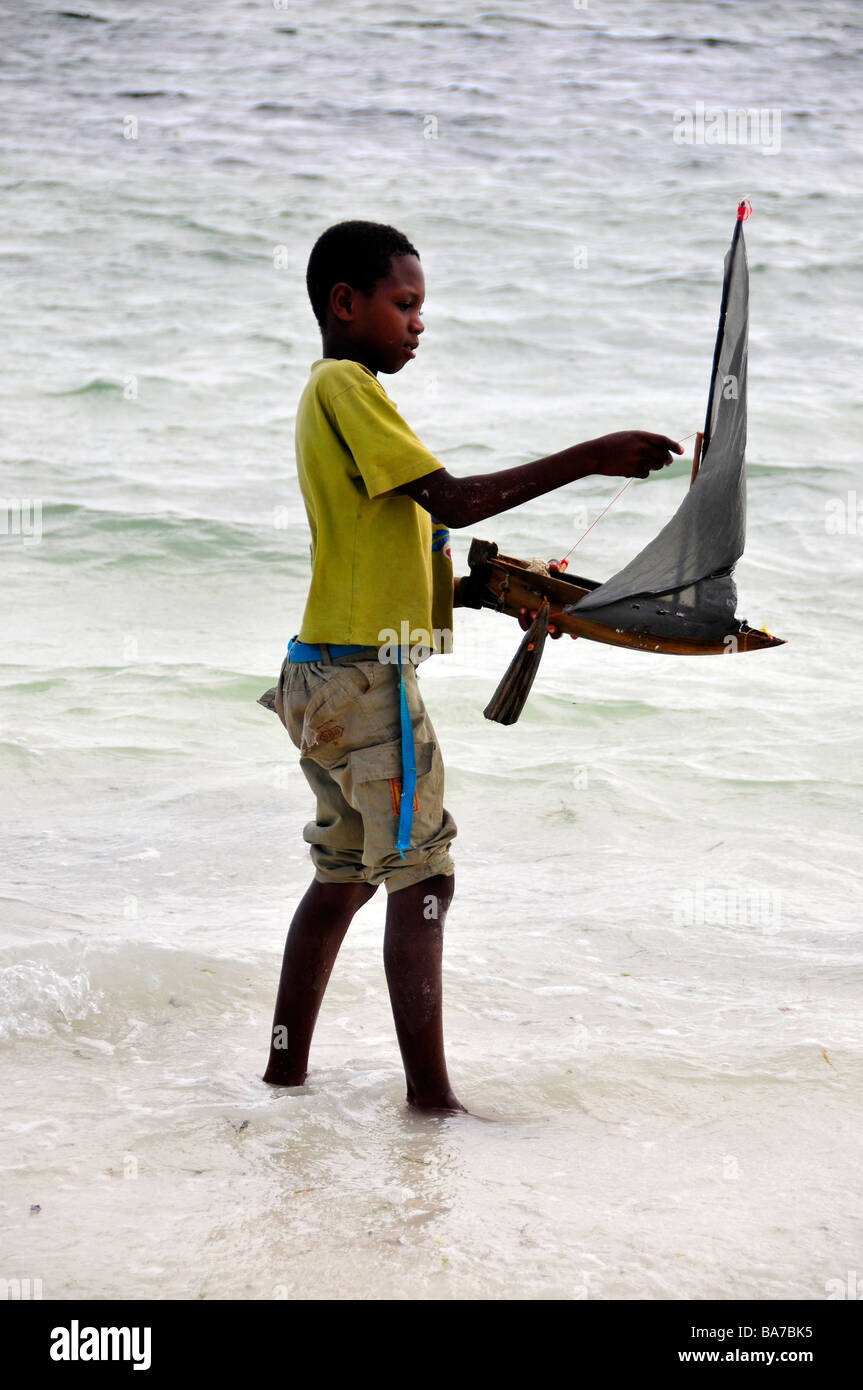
(653, 963)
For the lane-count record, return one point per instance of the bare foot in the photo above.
(446, 1105)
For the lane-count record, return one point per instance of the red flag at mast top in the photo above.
(744, 210)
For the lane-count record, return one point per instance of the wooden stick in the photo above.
(696, 456)
(508, 701)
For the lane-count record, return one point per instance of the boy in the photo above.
(349, 703)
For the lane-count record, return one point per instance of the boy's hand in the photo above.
(633, 453)
(468, 591)
(526, 617)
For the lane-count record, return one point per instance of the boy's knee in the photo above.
(428, 899)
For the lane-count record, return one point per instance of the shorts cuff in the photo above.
(415, 873)
(341, 876)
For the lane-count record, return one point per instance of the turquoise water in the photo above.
(653, 966)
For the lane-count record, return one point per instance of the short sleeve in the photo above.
(384, 447)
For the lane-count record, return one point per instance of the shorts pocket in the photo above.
(322, 716)
(385, 762)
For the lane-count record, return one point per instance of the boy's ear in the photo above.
(342, 301)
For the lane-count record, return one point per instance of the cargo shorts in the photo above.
(343, 715)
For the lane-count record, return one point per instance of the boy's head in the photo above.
(366, 286)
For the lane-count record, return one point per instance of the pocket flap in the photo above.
(381, 763)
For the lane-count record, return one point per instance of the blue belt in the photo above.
(307, 651)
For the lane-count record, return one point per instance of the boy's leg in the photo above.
(413, 948)
(352, 758)
(315, 935)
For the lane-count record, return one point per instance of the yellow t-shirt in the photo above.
(377, 567)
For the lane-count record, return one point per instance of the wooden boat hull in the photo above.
(510, 586)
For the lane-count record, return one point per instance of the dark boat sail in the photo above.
(678, 594)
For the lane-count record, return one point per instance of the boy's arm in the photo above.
(465, 501)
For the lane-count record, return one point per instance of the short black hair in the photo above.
(359, 253)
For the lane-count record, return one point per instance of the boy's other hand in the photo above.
(633, 453)
(526, 617)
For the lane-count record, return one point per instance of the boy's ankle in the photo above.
(281, 1076)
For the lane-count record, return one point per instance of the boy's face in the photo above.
(383, 327)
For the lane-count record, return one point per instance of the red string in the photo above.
(563, 563)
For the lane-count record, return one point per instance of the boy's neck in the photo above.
(345, 352)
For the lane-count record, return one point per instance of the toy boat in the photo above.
(677, 595)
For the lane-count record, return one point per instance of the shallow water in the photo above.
(653, 966)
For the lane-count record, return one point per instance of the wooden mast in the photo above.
(696, 456)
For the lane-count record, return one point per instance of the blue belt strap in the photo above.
(307, 651)
(409, 769)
